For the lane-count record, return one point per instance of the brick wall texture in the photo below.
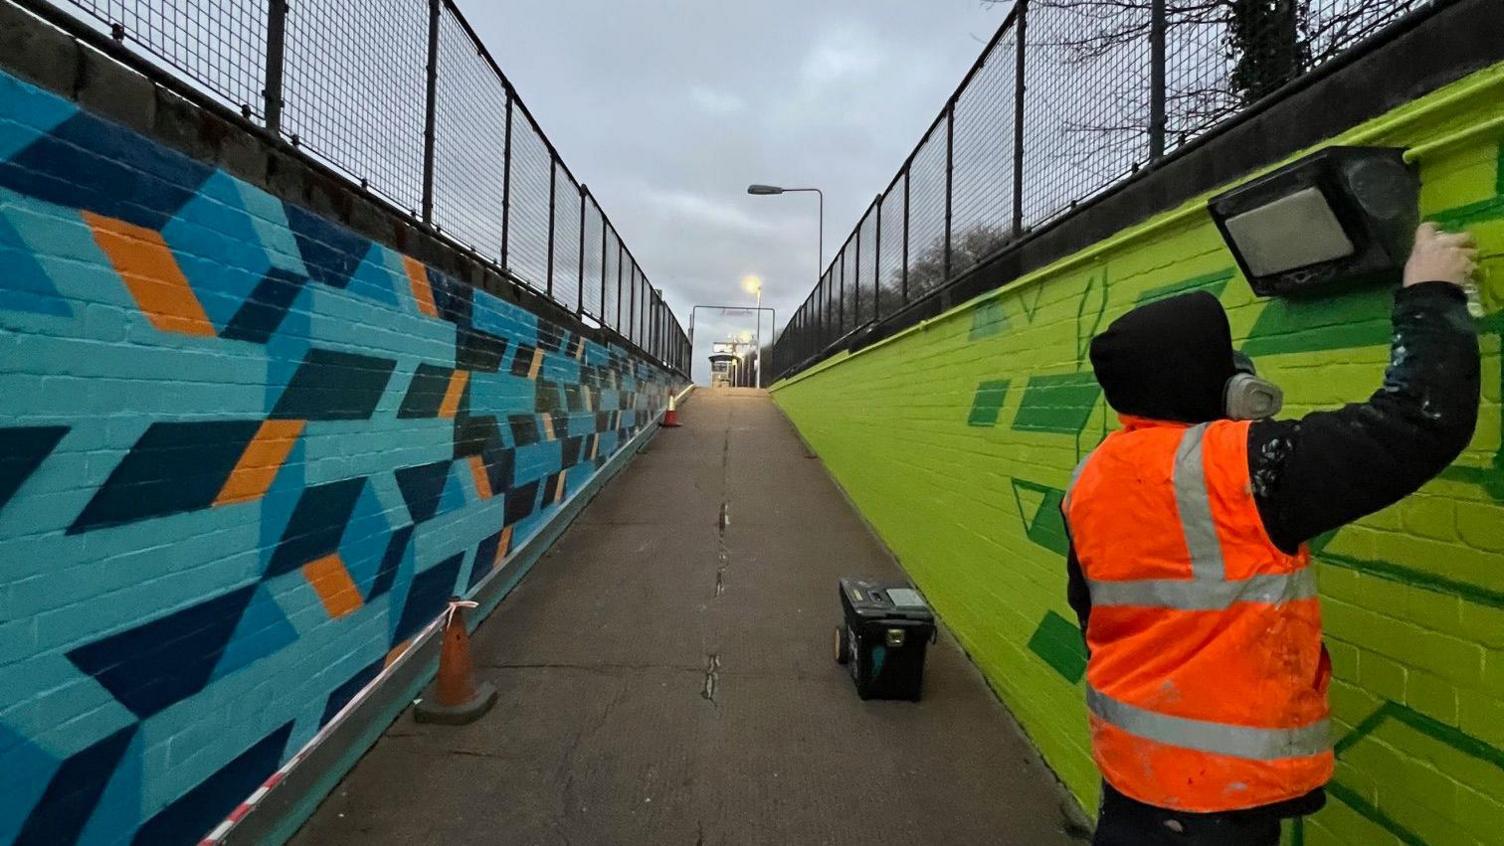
(956, 438)
(245, 457)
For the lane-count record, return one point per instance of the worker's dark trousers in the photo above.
(1124, 822)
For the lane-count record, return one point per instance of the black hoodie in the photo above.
(1170, 360)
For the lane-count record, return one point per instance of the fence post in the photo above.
(1021, 31)
(276, 43)
(580, 302)
(1157, 26)
(430, 104)
(506, 178)
(950, 164)
(553, 181)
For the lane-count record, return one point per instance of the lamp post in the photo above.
(753, 285)
(770, 190)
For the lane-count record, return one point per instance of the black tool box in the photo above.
(886, 628)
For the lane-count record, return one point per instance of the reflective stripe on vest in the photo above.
(1257, 744)
(1195, 508)
(1199, 595)
(1208, 589)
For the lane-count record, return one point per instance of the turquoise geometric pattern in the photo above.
(245, 456)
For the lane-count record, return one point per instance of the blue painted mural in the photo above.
(245, 456)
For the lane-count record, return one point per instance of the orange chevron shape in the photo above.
(450, 405)
(503, 548)
(548, 426)
(482, 480)
(417, 276)
(532, 371)
(146, 265)
(258, 465)
(332, 582)
(559, 489)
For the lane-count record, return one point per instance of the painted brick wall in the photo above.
(245, 455)
(957, 437)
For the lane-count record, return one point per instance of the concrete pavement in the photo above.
(666, 678)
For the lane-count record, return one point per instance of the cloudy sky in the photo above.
(667, 109)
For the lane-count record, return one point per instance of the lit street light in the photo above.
(753, 285)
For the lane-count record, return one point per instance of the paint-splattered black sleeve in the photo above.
(1076, 591)
(1329, 468)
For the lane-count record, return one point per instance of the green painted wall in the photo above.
(956, 437)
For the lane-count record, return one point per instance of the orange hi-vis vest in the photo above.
(1207, 679)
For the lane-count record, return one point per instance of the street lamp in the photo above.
(769, 190)
(753, 285)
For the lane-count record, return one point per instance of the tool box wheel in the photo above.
(843, 645)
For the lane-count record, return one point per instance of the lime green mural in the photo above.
(963, 479)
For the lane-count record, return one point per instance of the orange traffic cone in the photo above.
(671, 417)
(457, 698)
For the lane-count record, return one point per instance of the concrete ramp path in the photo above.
(666, 678)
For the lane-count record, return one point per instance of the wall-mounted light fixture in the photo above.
(1340, 216)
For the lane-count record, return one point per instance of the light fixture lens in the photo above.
(1296, 230)
(764, 189)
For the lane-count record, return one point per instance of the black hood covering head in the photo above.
(1168, 360)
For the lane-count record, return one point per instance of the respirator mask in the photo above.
(1247, 397)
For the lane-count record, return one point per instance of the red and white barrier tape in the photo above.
(217, 836)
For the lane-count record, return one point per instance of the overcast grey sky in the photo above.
(667, 109)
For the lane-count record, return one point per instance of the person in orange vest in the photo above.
(1188, 568)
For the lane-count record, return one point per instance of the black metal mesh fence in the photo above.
(529, 198)
(644, 308)
(594, 251)
(401, 98)
(1107, 87)
(470, 125)
(355, 90)
(566, 277)
(927, 214)
(633, 286)
(847, 289)
(611, 281)
(982, 155)
(1086, 106)
(220, 45)
(867, 261)
(891, 261)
